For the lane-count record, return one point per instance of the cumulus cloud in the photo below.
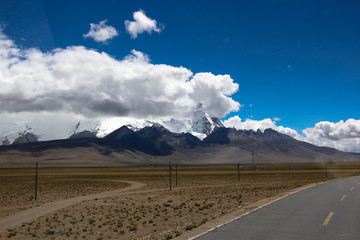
(341, 135)
(249, 124)
(55, 90)
(213, 92)
(93, 84)
(141, 24)
(101, 32)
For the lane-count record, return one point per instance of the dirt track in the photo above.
(33, 213)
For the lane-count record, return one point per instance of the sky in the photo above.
(290, 65)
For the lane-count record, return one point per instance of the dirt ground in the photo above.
(152, 212)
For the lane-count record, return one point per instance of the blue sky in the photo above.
(294, 60)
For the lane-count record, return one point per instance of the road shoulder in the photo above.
(238, 213)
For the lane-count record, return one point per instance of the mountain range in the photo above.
(153, 145)
(199, 124)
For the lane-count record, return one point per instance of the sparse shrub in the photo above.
(133, 227)
(168, 236)
(190, 226)
(91, 221)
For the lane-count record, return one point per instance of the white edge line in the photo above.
(244, 214)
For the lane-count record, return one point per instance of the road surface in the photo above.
(327, 211)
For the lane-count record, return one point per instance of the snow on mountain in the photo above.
(140, 124)
(90, 126)
(200, 124)
(9, 132)
(26, 137)
(109, 125)
(178, 125)
(83, 134)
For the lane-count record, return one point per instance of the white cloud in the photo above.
(250, 124)
(57, 89)
(88, 84)
(276, 119)
(213, 92)
(141, 24)
(341, 135)
(101, 32)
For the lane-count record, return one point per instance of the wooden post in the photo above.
(238, 171)
(176, 176)
(270, 168)
(170, 175)
(36, 180)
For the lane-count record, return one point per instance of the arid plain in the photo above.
(136, 202)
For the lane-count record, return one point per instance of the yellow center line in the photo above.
(342, 198)
(327, 220)
(352, 188)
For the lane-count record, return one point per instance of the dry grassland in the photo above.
(153, 212)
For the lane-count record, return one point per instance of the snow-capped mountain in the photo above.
(199, 124)
(90, 126)
(10, 132)
(203, 123)
(140, 124)
(178, 125)
(26, 137)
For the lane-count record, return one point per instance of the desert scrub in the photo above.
(190, 226)
(168, 236)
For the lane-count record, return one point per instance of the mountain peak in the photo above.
(26, 137)
(202, 122)
(83, 134)
(119, 133)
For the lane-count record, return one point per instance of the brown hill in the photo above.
(156, 145)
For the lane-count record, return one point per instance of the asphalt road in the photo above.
(327, 211)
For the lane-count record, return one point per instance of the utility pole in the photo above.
(253, 167)
(238, 171)
(170, 175)
(36, 180)
(176, 176)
